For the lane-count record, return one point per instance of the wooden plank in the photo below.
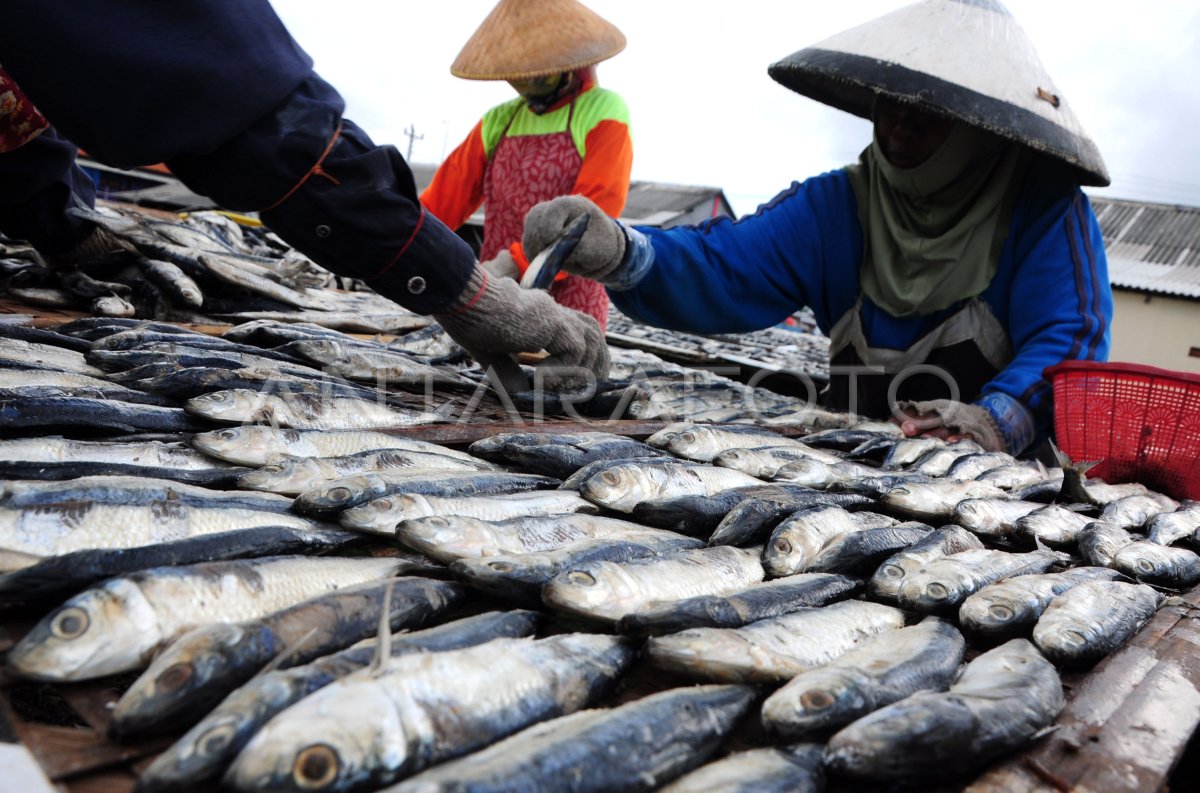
(67, 751)
(1127, 723)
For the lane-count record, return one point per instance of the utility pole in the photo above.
(411, 132)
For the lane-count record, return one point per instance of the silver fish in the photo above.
(797, 541)
(609, 591)
(1020, 474)
(818, 474)
(936, 500)
(119, 625)
(1099, 543)
(383, 515)
(253, 445)
(907, 451)
(1003, 699)
(29, 354)
(775, 649)
(765, 462)
(688, 725)
(886, 583)
(622, 487)
(1160, 565)
(1053, 525)
(703, 442)
(883, 669)
(788, 769)
(174, 280)
(972, 466)
(334, 496)
(237, 273)
(862, 551)
(1013, 605)
(132, 490)
(1134, 512)
(379, 725)
(373, 363)
(937, 461)
(302, 411)
(1168, 527)
(944, 583)
(992, 517)
(448, 538)
(207, 749)
(294, 475)
(1091, 620)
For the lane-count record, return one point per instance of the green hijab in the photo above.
(933, 233)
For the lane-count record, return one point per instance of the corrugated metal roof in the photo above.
(1151, 247)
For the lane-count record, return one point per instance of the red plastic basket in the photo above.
(1142, 423)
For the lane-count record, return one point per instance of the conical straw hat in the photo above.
(967, 59)
(531, 38)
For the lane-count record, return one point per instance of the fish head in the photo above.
(102, 631)
(382, 515)
(997, 613)
(619, 487)
(809, 473)
(284, 475)
(598, 589)
(338, 738)
(342, 493)
(457, 535)
(817, 700)
(694, 443)
(232, 404)
(935, 592)
(889, 576)
(179, 676)
(904, 740)
(976, 514)
(321, 350)
(247, 445)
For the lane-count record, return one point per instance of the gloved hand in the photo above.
(495, 316)
(502, 266)
(951, 421)
(601, 249)
(99, 243)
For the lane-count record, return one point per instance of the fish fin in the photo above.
(287, 652)
(383, 649)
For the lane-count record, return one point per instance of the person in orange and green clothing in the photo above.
(563, 134)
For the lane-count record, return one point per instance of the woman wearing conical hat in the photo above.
(950, 266)
(562, 134)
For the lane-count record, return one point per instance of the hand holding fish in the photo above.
(601, 248)
(951, 421)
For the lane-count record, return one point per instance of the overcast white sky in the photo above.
(704, 111)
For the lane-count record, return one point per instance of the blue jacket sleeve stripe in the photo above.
(1084, 262)
(1082, 215)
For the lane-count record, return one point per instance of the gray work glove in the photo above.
(502, 266)
(601, 249)
(496, 317)
(100, 242)
(950, 420)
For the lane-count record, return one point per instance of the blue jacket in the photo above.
(804, 248)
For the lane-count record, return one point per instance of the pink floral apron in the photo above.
(526, 170)
(20, 121)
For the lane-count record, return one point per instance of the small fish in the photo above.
(934, 501)
(992, 517)
(772, 650)
(1160, 565)
(937, 461)
(119, 625)
(874, 487)
(765, 462)
(235, 272)
(883, 669)
(133, 490)
(688, 725)
(563, 459)
(886, 583)
(797, 541)
(621, 487)
(25, 413)
(174, 280)
(850, 438)
(814, 473)
(254, 445)
(752, 521)
(1021, 474)
(34, 355)
(294, 475)
(1134, 512)
(699, 516)
(302, 411)
(383, 515)
(1089, 621)
(759, 601)
(1012, 605)
(380, 725)
(197, 670)
(972, 466)
(608, 591)
(373, 363)
(337, 495)
(1002, 700)
(1100, 541)
(907, 451)
(703, 442)
(944, 583)
(862, 551)
(204, 752)
(788, 769)
(1169, 527)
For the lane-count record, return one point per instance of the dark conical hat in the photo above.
(521, 39)
(966, 59)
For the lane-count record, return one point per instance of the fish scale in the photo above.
(256, 445)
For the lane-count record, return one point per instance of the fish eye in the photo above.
(228, 435)
(439, 521)
(816, 700)
(501, 567)
(610, 478)
(783, 546)
(892, 571)
(1144, 566)
(581, 578)
(316, 766)
(1074, 638)
(1001, 613)
(175, 676)
(381, 503)
(732, 454)
(687, 437)
(70, 623)
(215, 740)
(339, 493)
(937, 591)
